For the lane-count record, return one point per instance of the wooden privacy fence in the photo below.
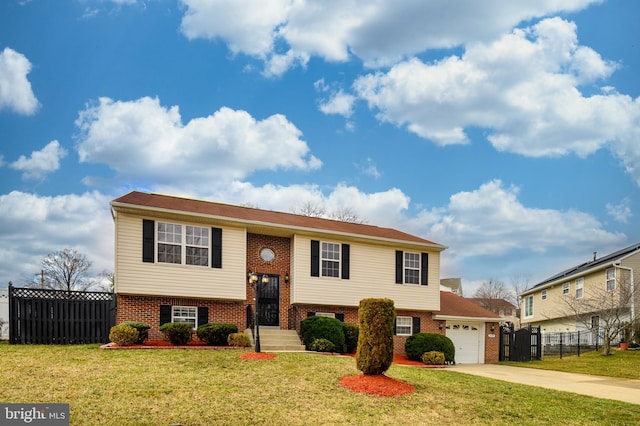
(520, 345)
(39, 316)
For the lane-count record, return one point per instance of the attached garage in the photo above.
(470, 328)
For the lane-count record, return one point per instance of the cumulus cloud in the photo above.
(145, 141)
(524, 88)
(378, 32)
(81, 222)
(42, 162)
(620, 212)
(15, 89)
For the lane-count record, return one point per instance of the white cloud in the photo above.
(42, 162)
(340, 103)
(15, 89)
(369, 168)
(524, 88)
(620, 212)
(142, 140)
(379, 32)
(81, 222)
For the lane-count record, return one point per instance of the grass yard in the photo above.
(202, 387)
(624, 364)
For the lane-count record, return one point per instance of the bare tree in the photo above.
(491, 295)
(519, 284)
(312, 209)
(608, 312)
(66, 269)
(346, 214)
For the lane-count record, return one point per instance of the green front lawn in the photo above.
(619, 364)
(203, 387)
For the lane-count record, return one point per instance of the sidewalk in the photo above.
(626, 390)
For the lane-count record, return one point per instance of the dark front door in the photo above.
(269, 301)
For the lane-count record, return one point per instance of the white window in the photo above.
(611, 279)
(330, 260)
(412, 268)
(404, 326)
(326, 314)
(579, 288)
(186, 314)
(543, 296)
(566, 288)
(528, 306)
(190, 247)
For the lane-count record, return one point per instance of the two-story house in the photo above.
(604, 283)
(179, 259)
(508, 312)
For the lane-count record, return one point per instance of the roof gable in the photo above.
(457, 306)
(248, 215)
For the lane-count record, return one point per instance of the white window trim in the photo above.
(566, 288)
(543, 295)
(183, 244)
(526, 306)
(179, 318)
(410, 325)
(607, 279)
(326, 314)
(579, 286)
(339, 260)
(405, 267)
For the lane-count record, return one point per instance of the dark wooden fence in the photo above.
(520, 345)
(39, 316)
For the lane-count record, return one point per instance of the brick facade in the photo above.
(492, 343)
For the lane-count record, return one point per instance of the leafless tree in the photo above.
(311, 209)
(519, 284)
(343, 214)
(613, 309)
(66, 269)
(491, 295)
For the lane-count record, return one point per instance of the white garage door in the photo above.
(467, 338)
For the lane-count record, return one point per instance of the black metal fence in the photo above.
(520, 345)
(39, 316)
(572, 342)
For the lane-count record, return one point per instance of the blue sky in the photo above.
(506, 130)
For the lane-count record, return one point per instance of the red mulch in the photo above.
(380, 385)
(257, 356)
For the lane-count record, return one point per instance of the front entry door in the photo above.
(269, 301)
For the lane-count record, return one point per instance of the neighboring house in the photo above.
(179, 259)
(508, 312)
(453, 284)
(545, 304)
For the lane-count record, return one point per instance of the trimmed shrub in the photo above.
(216, 334)
(433, 358)
(142, 328)
(420, 343)
(178, 333)
(239, 339)
(322, 345)
(317, 327)
(375, 341)
(123, 334)
(351, 332)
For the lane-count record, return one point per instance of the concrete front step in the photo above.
(272, 339)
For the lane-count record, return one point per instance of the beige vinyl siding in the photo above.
(372, 274)
(136, 277)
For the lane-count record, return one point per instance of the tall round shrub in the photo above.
(317, 327)
(419, 343)
(375, 341)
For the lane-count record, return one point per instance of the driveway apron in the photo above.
(626, 390)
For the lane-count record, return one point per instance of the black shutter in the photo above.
(345, 261)
(340, 317)
(399, 267)
(315, 258)
(203, 315)
(311, 314)
(424, 272)
(216, 248)
(165, 314)
(416, 325)
(148, 232)
(395, 323)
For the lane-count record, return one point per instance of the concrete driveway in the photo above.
(626, 390)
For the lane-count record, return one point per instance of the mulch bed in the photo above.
(379, 385)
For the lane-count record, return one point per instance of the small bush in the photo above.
(433, 358)
(375, 342)
(317, 327)
(322, 345)
(216, 334)
(142, 328)
(351, 332)
(239, 339)
(178, 333)
(420, 343)
(123, 334)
